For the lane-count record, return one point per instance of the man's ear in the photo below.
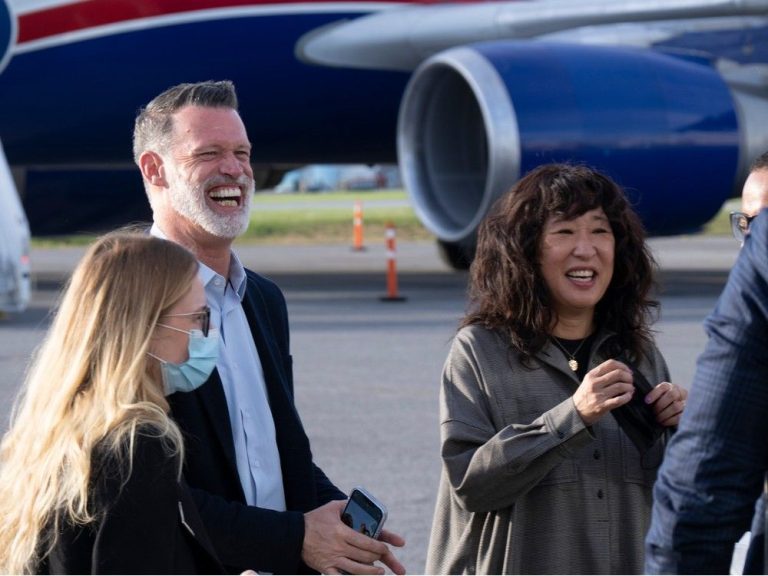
(153, 169)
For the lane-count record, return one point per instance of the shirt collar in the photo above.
(156, 232)
(237, 278)
(237, 275)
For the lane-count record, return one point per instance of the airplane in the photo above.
(669, 97)
(15, 280)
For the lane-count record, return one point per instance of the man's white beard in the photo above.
(188, 200)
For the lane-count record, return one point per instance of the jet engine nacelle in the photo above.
(474, 119)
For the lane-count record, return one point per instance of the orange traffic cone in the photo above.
(392, 295)
(357, 227)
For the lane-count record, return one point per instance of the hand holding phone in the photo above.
(364, 514)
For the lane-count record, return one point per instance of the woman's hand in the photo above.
(604, 388)
(668, 402)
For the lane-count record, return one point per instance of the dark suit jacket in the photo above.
(246, 536)
(147, 523)
(713, 470)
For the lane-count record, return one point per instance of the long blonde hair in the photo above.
(89, 385)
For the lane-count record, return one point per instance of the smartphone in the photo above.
(364, 513)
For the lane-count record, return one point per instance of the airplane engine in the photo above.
(474, 119)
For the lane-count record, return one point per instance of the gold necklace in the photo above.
(572, 363)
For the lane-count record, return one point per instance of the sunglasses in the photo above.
(203, 316)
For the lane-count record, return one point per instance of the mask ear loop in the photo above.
(157, 358)
(187, 332)
(163, 364)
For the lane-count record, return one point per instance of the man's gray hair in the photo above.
(154, 124)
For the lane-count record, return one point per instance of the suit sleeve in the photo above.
(326, 490)
(137, 533)
(713, 469)
(274, 539)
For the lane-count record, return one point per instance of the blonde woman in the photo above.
(90, 470)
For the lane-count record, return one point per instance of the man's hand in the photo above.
(604, 388)
(332, 547)
(668, 402)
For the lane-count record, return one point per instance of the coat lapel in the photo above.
(214, 404)
(287, 424)
(292, 441)
(259, 323)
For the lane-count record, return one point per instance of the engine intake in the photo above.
(474, 119)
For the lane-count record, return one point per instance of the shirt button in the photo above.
(600, 494)
(596, 454)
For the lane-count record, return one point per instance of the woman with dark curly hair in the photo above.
(551, 429)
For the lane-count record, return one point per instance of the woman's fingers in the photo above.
(668, 402)
(604, 388)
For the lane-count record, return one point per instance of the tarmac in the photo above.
(367, 371)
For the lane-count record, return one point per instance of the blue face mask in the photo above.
(191, 374)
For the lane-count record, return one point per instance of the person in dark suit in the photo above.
(716, 462)
(265, 503)
(754, 197)
(90, 478)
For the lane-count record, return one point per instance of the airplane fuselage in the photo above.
(80, 71)
(665, 96)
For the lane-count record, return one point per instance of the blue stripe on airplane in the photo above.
(83, 97)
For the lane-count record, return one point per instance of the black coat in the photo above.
(246, 536)
(147, 522)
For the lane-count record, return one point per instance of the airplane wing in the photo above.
(667, 96)
(402, 38)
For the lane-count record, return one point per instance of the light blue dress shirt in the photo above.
(242, 377)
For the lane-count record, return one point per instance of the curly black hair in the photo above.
(507, 289)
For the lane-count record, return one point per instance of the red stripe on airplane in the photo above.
(92, 13)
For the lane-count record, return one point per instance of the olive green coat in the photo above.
(526, 487)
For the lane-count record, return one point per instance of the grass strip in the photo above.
(319, 218)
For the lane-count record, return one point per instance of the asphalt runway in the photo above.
(366, 371)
